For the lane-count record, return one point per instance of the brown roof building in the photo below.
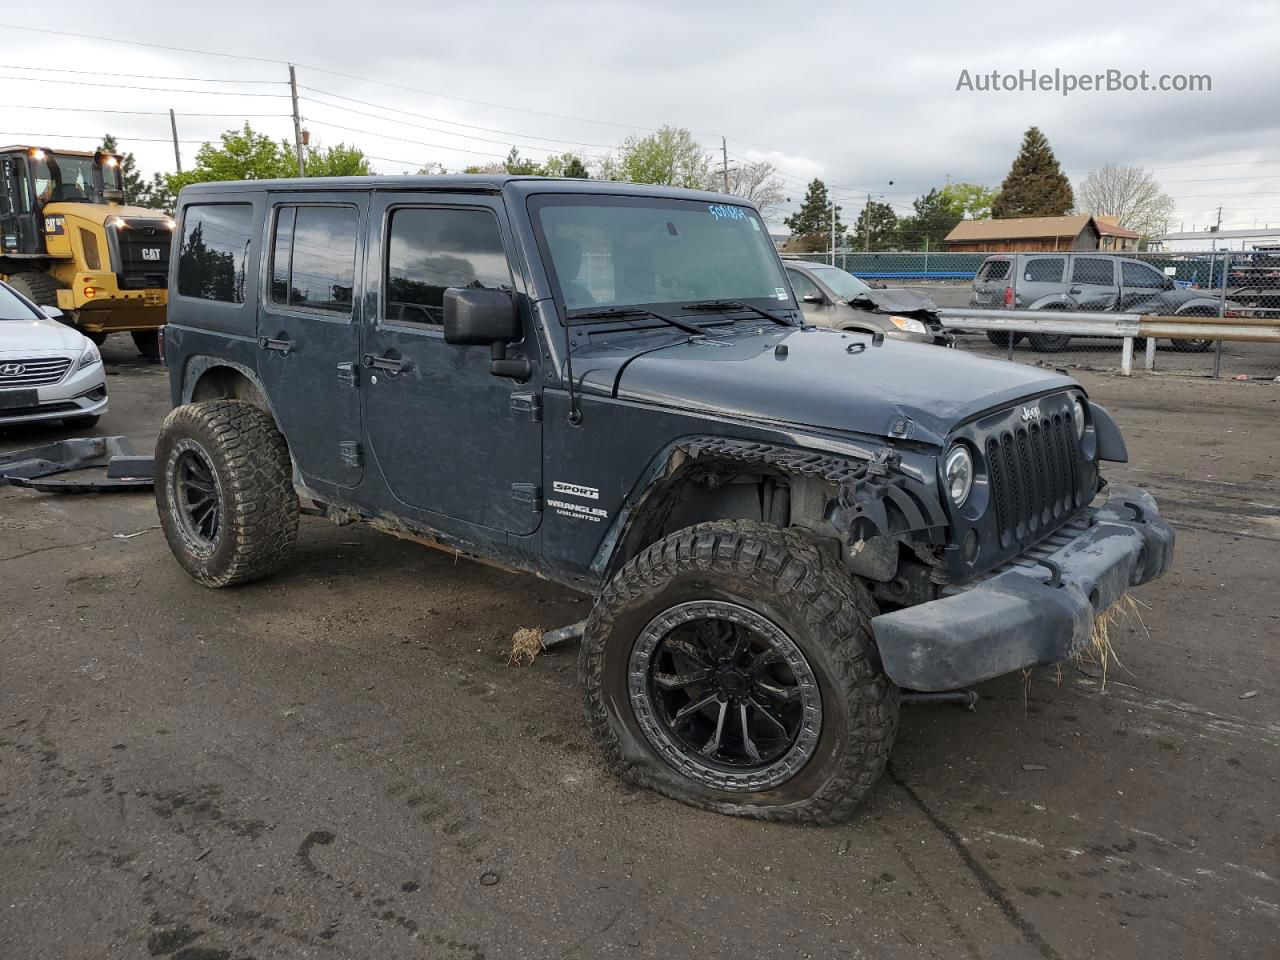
(1017, 234)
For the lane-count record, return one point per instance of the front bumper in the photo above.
(82, 393)
(1036, 610)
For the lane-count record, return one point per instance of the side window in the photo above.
(215, 245)
(994, 270)
(313, 258)
(1045, 269)
(802, 285)
(432, 249)
(1140, 275)
(1096, 270)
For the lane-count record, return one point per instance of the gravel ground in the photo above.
(338, 762)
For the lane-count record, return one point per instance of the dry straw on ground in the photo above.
(526, 644)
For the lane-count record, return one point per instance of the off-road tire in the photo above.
(783, 576)
(40, 288)
(148, 343)
(258, 504)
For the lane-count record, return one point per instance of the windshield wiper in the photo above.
(622, 313)
(720, 306)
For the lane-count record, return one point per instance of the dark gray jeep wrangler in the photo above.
(611, 386)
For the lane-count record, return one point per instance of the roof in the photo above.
(1258, 234)
(1108, 228)
(455, 183)
(1018, 228)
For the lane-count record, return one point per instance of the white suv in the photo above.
(48, 370)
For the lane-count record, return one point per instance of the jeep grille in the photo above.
(1035, 478)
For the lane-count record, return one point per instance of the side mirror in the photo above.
(53, 313)
(813, 298)
(485, 318)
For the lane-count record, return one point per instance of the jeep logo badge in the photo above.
(1030, 413)
(12, 370)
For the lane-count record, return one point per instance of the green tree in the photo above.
(242, 155)
(971, 201)
(811, 224)
(519, 166)
(877, 227)
(1036, 185)
(566, 165)
(671, 156)
(933, 219)
(339, 160)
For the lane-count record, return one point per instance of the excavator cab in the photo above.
(67, 240)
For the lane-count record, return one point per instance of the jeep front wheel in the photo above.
(731, 666)
(224, 492)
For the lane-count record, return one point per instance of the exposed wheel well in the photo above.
(705, 490)
(227, 383)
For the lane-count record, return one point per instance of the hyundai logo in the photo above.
(12, 370)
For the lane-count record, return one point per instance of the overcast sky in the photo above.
(858, 94)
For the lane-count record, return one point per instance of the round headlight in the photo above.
(959, 474)
(1077, 413)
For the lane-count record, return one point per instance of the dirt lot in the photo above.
(339, 763)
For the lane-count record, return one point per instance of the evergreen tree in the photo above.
(1036, 185)
(936, 213)
(811, 224)
(518, 166)
(575, 169)
(877, 227)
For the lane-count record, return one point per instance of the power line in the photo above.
(416, 143)
(144, 113)
(126, 86)
(94, 137)
(423, 116)
(135, 76)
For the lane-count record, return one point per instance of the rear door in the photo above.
(1093, 283)
(449, 437)
(1041, 277)
(308, 331)
(990, 283)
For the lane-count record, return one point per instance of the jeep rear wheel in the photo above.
(224, 491)
(730, 666)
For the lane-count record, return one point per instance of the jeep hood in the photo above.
(825, 379)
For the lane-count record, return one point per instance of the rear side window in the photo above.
(215, 246)
(1139, 275)
(313, 258)
(994, 270)
(432, 249)
(1097, 270)
(1045, 269)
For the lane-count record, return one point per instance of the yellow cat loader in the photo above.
(68, 241)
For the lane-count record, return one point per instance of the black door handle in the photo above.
(392, 365)
(282, 346)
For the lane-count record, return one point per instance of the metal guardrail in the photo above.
(1125, 326)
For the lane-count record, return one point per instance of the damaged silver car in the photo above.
(831, 297)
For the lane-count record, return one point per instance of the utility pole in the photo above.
(297, 121)
(177, 153)
(1219, 226)
(724, 155)
(833, 231)
(867, 217)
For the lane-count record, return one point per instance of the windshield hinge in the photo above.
(530, 403)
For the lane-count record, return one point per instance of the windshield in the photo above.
(11, 308)
(842, 283)
(62, 178)
(628, 251)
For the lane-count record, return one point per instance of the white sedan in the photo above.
(48, 370)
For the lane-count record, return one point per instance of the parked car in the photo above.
(836, 298)
(1084, 281)
(609, 385)
(48, 370)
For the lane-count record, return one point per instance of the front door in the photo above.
(449, 437)
(308, 333)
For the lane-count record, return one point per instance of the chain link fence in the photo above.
(1210, 284)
